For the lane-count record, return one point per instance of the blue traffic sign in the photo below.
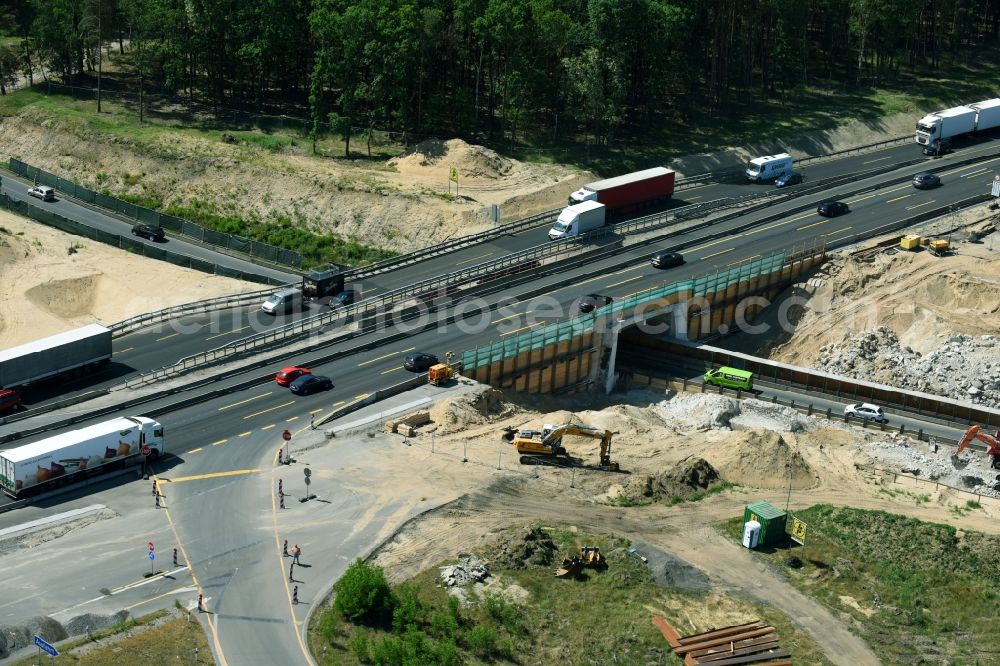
(40, 642)
(152, 555)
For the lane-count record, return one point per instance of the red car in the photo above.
(9, 400)
(289, 375)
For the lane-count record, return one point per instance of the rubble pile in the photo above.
(470, 569)
(525, 548)
(969, 470)
(965, 367)
(707, 411)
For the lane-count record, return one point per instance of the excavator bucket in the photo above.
(570, 568)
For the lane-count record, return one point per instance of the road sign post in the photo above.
(44, 645)
(307, 473)
(287, 436)
(995, 191)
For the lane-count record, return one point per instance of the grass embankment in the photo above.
(136, 642)
(163, 138)
(920, 592)
(603, 617)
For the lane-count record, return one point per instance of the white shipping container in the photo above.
(79, 452)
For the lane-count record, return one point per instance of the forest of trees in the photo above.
(496, 68)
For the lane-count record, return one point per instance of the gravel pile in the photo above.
(964, 368)
(707, 411)
(969, 471)
(470, 569)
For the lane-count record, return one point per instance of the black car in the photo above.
(150, 231)
(666, 259)
(307, 384)
(926, 180)
(793, 178)
(591, 302)
(345, 297)
(938, 148)
(419, 362)
(832, 208)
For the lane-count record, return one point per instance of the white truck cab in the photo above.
(768, 168)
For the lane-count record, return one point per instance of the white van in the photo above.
(767, 168)
(282, 301)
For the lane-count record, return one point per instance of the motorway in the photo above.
(220, 496)
(620, 276)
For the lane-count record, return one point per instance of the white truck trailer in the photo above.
(55, 355)
(945, 125)
(987, 114)
(578, 219)
(72, 455)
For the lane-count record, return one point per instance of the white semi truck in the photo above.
(942, 126)
(72, 455)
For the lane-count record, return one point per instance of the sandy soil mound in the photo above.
(436, 157)
(690, 476)
(45, 290)
(523, 548)
(761, 459)
(458, 413)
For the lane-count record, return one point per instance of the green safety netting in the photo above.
(566, 330)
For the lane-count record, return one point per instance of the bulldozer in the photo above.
(546, 446)
(992, 444)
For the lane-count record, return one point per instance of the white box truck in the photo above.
(72, 455)
(57, 354)
(769, 168)
(578, 219)
(987, 114)
(945, 125)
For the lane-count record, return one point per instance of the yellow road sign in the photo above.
(798, 531)
(453, 174)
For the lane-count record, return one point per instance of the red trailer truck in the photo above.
(629, 193)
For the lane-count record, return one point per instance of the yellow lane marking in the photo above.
(194, 579)
(268, 427)
(974, 173)
(629, 270)
(219, 335)
(220, 442)
(269, 409)
(402, 351)
(317, 411)
(593, 279)
(905, 196)
(618, 284)
(291, 418)
(195, 450)
(926, 203)
(246, 434)
(361, 396)
(385, 372)
(214, 475)
(336, 404)
(523, 328)
(693, 198)
(122, 351)
(814, 224)
(881, 159)
(280, 560)
(839, 231)
(167, 337)
(717, 253)
(740, 261)
(518, 314)
(468, 261)
(243, 402)
(159, 596)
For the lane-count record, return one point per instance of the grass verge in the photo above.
(919, 592)
(136, 642)
(527, 616)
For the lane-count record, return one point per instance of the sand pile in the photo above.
(690, 476)
(761, 459)
(471, 161)
(457, 413)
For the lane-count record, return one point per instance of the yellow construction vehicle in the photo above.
(439, 374)
(540, 447)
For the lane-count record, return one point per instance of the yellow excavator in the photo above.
(539, 447)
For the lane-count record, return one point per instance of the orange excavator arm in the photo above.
(975, 432)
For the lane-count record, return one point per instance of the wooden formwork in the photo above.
(543, 370)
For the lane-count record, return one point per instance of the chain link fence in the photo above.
(251, 248)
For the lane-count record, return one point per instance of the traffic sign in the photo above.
(40, 642)
(996, 186)
(151, 548)
(798, 531)
(286, 435)
(145, 450)
(152, 555)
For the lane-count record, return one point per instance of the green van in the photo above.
(730, 378)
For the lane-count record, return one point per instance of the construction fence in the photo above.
(127, 243)
(177, 225)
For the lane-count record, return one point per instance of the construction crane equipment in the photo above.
(992, 444)
(536, 447)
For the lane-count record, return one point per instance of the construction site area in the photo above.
(620, 518)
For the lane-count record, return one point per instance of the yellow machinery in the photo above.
(539, 447)
(439, 374)
(939, 247)
(910, 242)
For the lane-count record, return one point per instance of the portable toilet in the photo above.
(751, 534)
(771, 519)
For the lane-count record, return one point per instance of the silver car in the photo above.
(43, 192)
